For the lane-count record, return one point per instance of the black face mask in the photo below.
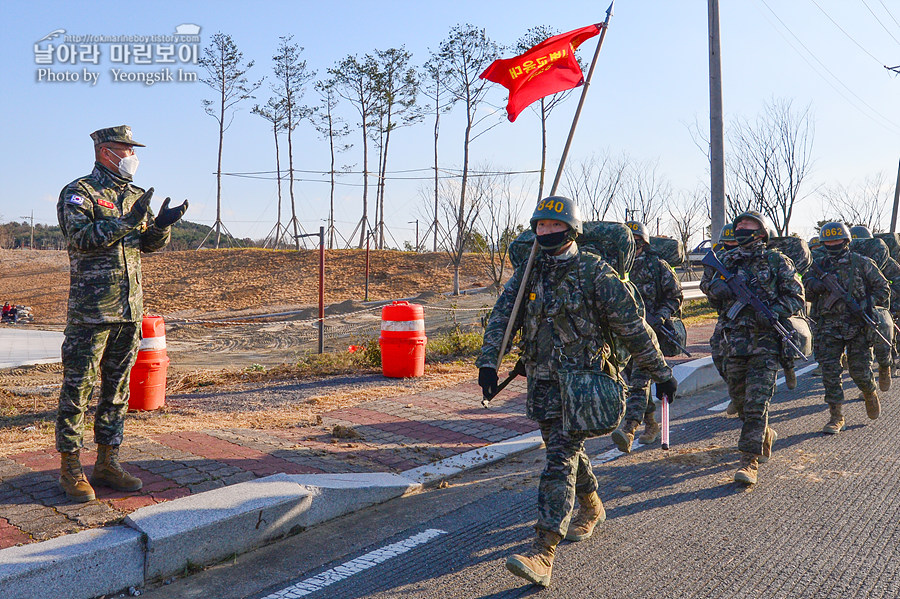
(836, 250)
(553, 241)
(745, 236)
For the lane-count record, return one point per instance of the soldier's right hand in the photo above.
(666, 390)
(719, 290)
(488, 381)
(139, 209)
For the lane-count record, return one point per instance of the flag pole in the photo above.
(562, 162)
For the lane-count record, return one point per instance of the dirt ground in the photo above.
(192, 288)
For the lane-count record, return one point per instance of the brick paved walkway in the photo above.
(397, 434)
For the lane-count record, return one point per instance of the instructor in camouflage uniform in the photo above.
(573, 302)
(660, 290)
(837, 328)
(107, 223)
(754, 347)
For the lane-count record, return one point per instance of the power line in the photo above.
(885, 120)
(849, 37)
(869, 8)
(888, 11)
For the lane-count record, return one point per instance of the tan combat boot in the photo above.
(873, 406)
(109, 473)
(624, 437)
(72, 479)
(836, 423)
(590, 513)
(731, 410)
(536, 564)
(768, 439)
(884, 377)
(790, 377)
(748, 470)
(651, 430)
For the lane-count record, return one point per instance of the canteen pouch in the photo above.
(668, 348)
(800, 334)
(593, 402)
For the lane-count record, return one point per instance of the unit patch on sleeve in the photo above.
(75, 199)
(106, 204)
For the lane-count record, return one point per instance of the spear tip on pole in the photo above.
(609, 11)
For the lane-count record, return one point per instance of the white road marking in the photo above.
(606, 457)
(354, 566)
(719, 407)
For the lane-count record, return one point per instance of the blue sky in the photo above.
(651, 84)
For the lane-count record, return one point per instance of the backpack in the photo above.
(670, 250)
(892, 240)
(875, 248)
(795, 248)
(611, 241)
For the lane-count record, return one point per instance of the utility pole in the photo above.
(896, 201)
(716, 129)
(31, 246)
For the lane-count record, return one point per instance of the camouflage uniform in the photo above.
(104, 242)
(836, 328)
(753, 346)
(717, 346)
(891, 272)
(575, 300)
(660, 290)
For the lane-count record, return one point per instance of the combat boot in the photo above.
(651, 429)
(748, 470)
(624, 437)
(731, 410)
(536, 564)
(72, 479)
(790, 377)
(769, 439)
(590, 513)
(836, 423)
(873, 406)
(109, 473)
(884, 377)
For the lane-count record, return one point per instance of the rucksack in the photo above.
(795, 248)
(611, 241)
(892, 240)
(670, 250)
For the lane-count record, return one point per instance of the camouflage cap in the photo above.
(119, 135)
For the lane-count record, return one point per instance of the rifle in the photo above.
(838, 292)
(745, 297)
(655, 321)
(518, 370)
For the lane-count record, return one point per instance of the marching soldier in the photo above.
(107, 223)
(574, 302)
(754, 347)
(838, 326)
(660, 290)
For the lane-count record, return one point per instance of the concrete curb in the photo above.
(165, 539)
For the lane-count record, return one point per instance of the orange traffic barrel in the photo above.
(402, 340)
(148, 375)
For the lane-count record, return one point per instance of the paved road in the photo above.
(21, 345)
(822, 522)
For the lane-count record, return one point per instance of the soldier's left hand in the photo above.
(762, 320)
(667, 389)
(169, 216)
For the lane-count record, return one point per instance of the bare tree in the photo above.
(274, 112)
(434, 87)
(465, 53)
(291, 76)
(333, 128)
(398, 85)
(458, 239)
(595, 183)
(860, 204)
(500, 224)
(770, 159)
(646, 192)
(356, 80)
(226, 75)
(689, 214)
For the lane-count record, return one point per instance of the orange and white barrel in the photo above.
(147, 387)
(402, 340)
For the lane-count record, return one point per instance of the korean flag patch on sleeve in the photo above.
(75, 199)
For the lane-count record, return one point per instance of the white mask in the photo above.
(128, 165)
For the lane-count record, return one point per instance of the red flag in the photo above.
(545, 69)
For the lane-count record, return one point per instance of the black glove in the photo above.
(762, 321)
(488, 380)
(667, 389)
(169, 216)
(139, 209)
(719, 290)
(816, 286)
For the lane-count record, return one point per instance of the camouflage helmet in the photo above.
(860, 232)
(557, 208)
(814, 242)
(727, 234)
(765, 226)
(639, 229)
(834, 231)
